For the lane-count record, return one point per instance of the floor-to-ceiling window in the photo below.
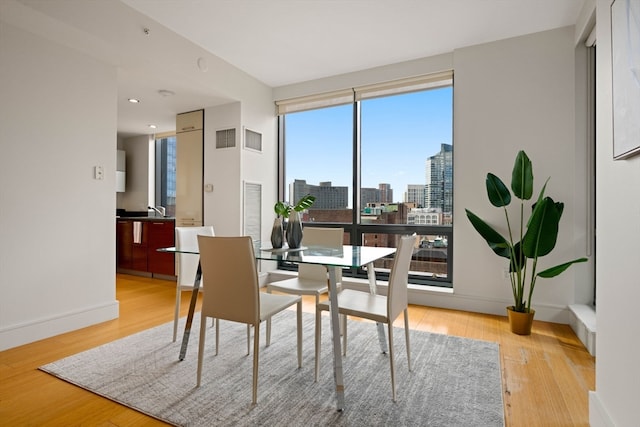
(379, 160)
(165, 179)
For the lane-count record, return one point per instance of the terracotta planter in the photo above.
(520, 323)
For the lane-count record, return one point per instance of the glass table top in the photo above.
(347, 256)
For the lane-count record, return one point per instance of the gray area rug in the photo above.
(454, 382)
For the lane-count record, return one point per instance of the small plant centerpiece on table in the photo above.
(286, 211)
(536, 237)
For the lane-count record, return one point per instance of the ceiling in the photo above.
(278, 42)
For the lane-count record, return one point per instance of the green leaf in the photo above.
(522, 177)
(496, 242)
(282, 209)
(498, 193)
(554, 271)
(304, 203)
(542, 232)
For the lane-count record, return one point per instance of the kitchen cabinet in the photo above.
(189, 168)
(187, 122)
(124, 244)
(161, 234)
(137, 242)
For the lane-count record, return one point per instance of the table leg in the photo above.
(371, 274)
(338, 374)
(192, 309)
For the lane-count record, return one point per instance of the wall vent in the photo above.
(226, 138)
(252, 140)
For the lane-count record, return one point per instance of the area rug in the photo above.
(454, 381)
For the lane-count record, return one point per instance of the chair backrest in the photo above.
(397, 296)
(232, 291)
(187, 239)
(319, 236)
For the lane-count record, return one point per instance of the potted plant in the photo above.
(285, 211)
(535, 238)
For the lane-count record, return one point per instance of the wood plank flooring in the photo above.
(546, 376)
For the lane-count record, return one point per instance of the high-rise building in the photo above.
(439, 179)
(386, 193)
(415, 194)
(327, 196)
(369, 196)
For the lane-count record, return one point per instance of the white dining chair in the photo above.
(379, 308)
(311, 279)
(233, 293)
(187, 239)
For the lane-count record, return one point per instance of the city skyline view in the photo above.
(398, 134)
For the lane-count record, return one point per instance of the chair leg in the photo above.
(217, 334)
(344, 334)
(406, 336)
(393, 371)
(256, 348)
(248, 339)
(268, 339)
(176, 314)
(318, 340)
(299, 316)
(203, 324)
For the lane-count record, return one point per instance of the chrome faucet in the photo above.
(160, 210)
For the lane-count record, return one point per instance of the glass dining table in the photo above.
(333, 259)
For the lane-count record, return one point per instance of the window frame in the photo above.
(356, 229)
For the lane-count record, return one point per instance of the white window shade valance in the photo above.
(412, 84)
(313, 102)
(348, 96)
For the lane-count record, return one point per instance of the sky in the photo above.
(399, 133)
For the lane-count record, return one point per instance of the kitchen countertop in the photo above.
(145, 218)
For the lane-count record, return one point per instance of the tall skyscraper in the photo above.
(415, 194)
(386, 193)
(439, 179)
(369, 196)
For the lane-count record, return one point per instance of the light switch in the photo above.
(98, 172)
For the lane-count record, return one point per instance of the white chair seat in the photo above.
(299, 286)
(360, 304)
(271, 304)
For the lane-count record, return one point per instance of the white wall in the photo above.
(615, 400)
(228, 168)
(140, 164)
(509, 95)
(57, 258)
(59, 120)
(222, 170)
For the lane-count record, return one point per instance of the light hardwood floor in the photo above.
(546, 377)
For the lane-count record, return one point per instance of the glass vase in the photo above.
(294, 230)
(277, 234)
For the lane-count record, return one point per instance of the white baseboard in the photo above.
(17, 335)
(582, 319)
(598, 416)
(434, 296)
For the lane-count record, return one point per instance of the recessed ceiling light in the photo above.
(152, 126)
(165, 92)
(134, 100)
